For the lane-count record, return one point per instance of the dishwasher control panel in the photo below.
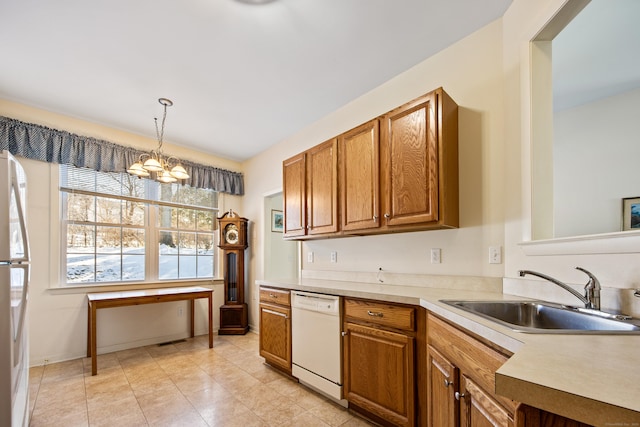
(316, 302)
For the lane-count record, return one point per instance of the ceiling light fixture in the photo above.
(155, 161)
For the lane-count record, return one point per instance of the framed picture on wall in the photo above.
(277, 221)
(631, 213)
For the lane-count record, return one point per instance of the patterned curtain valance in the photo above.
(55, 146)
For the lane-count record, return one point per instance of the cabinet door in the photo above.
(275, 335)
(360, 177)
(479, 409)
(410, 142)
(443, 408)
(322, 188)
(379, 373)
(294, 196)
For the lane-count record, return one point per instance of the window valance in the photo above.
(56, 146)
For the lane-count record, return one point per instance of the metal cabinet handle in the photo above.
(447, 383)
(387, 215)
(275, 312)
(273, 295)
(375, 218)
(371, 313)
(458, 395)
(344, 333)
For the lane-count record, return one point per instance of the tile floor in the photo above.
(179, 384)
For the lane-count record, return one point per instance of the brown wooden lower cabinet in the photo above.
(385, 348)
(379, 374)
(382, 345)
(275, 328)
(461, 383)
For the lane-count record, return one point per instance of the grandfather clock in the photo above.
(233, 242)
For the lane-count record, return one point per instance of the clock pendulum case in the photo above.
(233, 242)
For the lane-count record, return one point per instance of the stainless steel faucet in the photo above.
(591, 298)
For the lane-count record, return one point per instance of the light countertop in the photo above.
(589, 377)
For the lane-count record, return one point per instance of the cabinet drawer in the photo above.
(383, 314)
(275, 296)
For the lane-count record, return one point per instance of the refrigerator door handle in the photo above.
(15, 189)
(19, 336)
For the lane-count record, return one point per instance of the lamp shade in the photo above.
(165, 177)
(137, 170)
(152, 165)
(179, 172)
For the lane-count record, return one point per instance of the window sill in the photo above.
(110, 287)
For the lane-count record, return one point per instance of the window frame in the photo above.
(151, 229)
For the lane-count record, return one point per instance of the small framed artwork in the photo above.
(277, 221)
(631, 213)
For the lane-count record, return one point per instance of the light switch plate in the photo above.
(436, 256)
(495, 255)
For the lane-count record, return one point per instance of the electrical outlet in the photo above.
(310, 257)
(436, 256)
(334, 256)
(495, 255)
(180, 312)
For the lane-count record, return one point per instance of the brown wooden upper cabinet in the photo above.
(397, 172)
(311, 191)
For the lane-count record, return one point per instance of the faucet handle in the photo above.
(591, 290)
(593, 280)
(636, 293)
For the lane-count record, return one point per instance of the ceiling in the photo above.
(242, 76)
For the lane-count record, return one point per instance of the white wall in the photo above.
(595, 160)
(280, 256)
(58, 316)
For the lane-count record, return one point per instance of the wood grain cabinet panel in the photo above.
(380, 313)
(479, 408)
(443, 408)
(294, 172)
(275, 328)
(419, 151)
(359, 165)
(322, 188)
(379, 373)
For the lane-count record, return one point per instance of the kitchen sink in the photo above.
(546, 317)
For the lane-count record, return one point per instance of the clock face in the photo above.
(231, 234)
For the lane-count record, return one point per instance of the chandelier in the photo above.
(166, 169)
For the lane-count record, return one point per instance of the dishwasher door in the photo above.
(315, 335)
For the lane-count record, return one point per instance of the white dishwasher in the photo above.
(316, 342)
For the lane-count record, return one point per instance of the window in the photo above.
(120, 228)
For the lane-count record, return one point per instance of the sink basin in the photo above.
(545, 317)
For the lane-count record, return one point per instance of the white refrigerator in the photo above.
(14, 284)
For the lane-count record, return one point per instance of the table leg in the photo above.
(192, 310)
(94, 350)
(210, 302)
(88, 328)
